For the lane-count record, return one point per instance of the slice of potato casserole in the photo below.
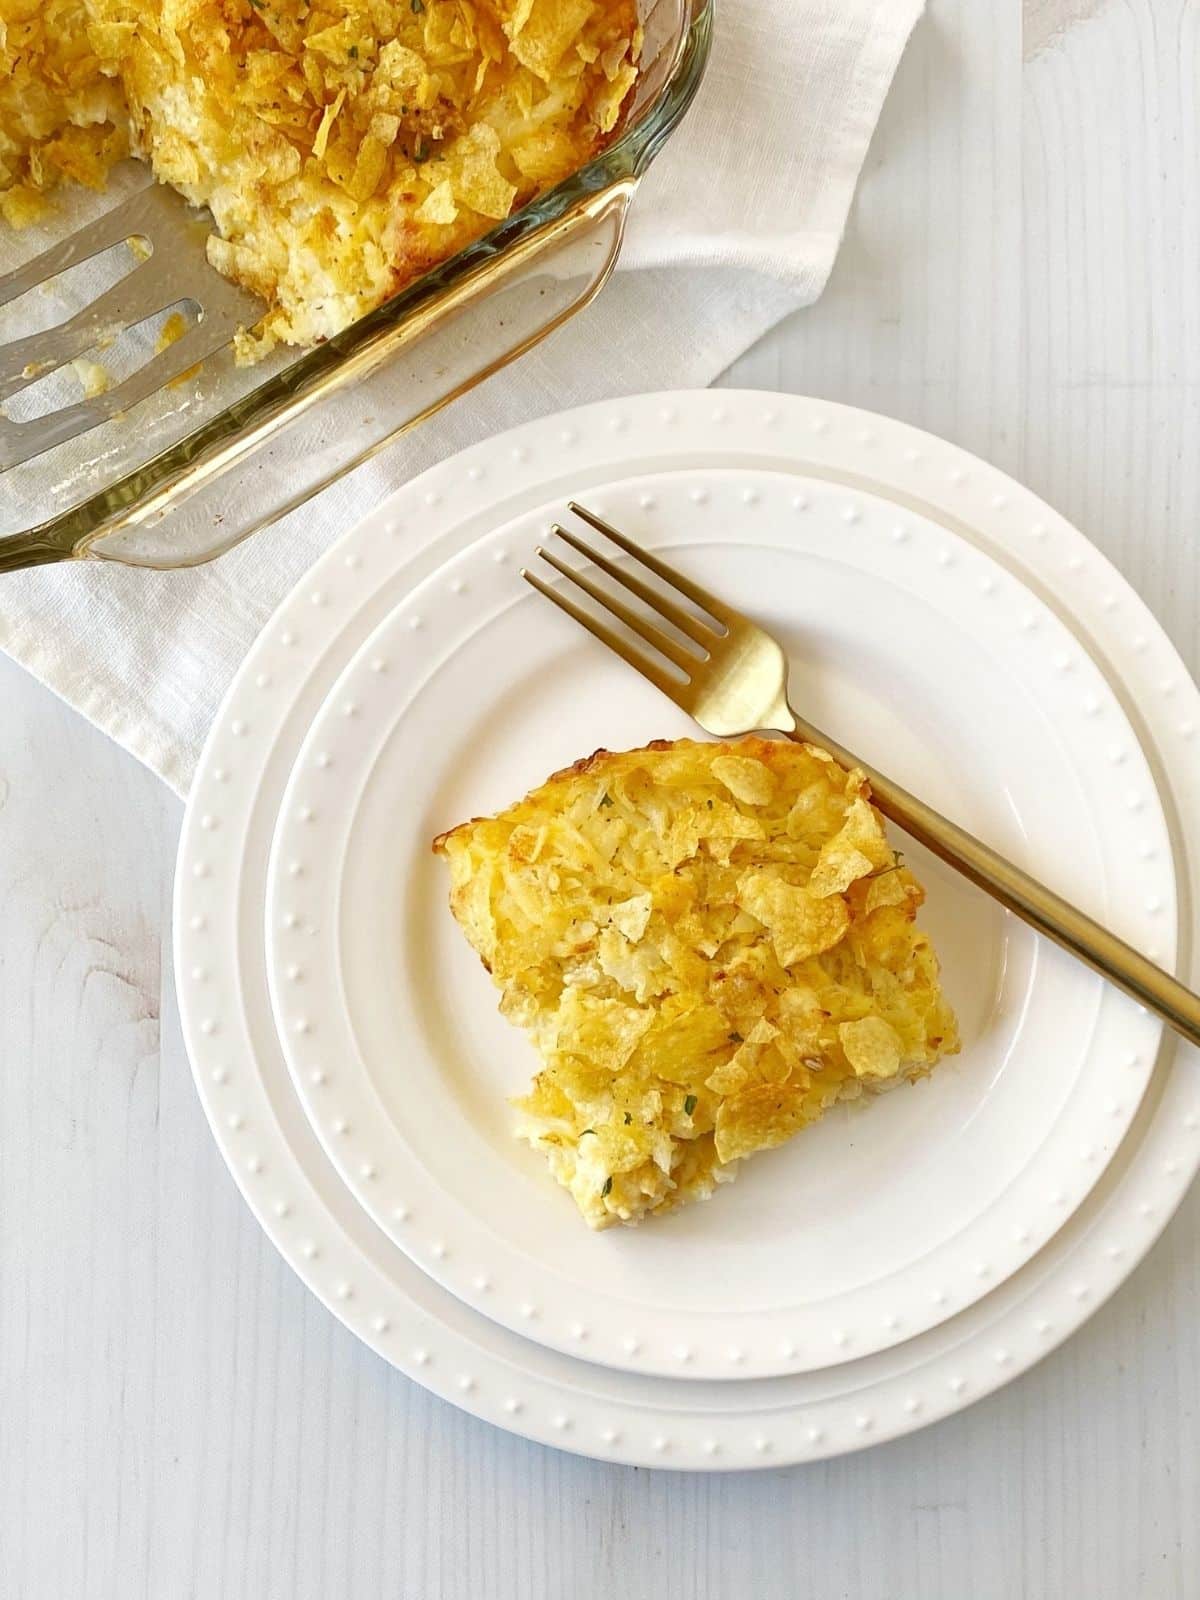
(710, 945)
(343, 146)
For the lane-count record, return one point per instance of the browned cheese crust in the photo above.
(343, 146)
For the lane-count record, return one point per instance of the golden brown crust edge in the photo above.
(751, 744)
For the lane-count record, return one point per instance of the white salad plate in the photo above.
(373, 1284)
(920, 651)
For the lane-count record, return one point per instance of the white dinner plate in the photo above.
(916, 649)
(296, 1194)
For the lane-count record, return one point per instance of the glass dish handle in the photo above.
(517, 297)
(19, 550)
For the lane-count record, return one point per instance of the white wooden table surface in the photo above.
(178, 1417)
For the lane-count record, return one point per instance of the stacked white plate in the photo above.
(889, 1266)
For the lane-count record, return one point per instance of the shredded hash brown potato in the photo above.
(343, 146)
(710, 945)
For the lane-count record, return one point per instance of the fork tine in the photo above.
(637, 659)
(698, 596)
(683, 659)
(654, 598)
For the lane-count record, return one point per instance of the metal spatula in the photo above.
(170, 235)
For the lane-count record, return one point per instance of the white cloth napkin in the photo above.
(737, 224)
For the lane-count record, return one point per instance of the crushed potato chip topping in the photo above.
(343, 146)
(710, 945)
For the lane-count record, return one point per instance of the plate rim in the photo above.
(1169, 1120)
(323, 1053)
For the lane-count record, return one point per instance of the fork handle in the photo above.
(1023, 895)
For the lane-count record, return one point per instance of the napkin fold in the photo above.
(737, 224)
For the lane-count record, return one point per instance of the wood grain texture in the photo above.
(178, 1417)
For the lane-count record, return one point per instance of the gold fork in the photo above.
(733, 680)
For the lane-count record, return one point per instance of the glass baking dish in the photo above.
(208, 461)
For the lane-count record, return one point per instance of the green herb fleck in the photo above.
(416, 6)
(353, 52)
(606, 799)
(689, 1105)
(628, 1119)
(592, 1131)
(882, 872)
(421, 153)
(607, 1189)
(736, 1038)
